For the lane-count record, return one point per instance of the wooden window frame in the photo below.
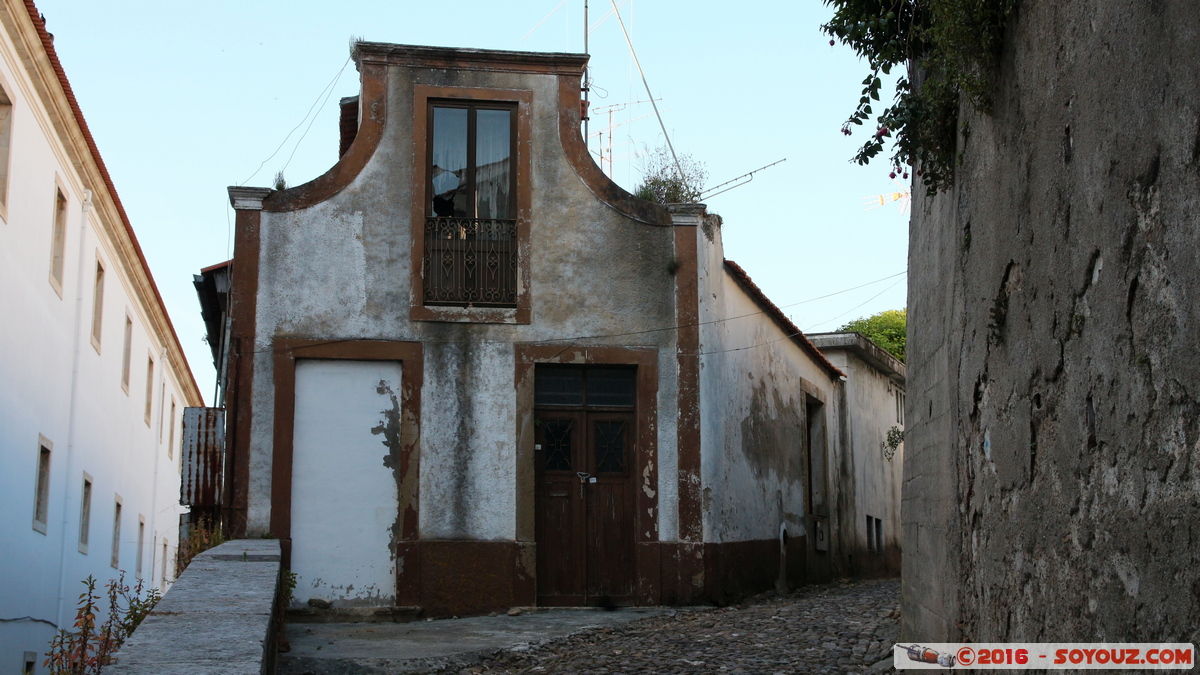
(98, 303)
(118, 508)
(58, 236)
(423, 98)
(8, 110)
(141, 545)
(148, 413)
(86, 489)
(127, 354)
(41, 488)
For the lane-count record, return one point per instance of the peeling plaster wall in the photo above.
(340, 270)
(751, 410)
(1051, 479)
(874, 481)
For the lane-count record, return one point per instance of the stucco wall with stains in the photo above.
(862, 469)
(340, 270)
(752, 410)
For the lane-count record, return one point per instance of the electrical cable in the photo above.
(329, 86)
(856, 306)
(572, 340)
(332, 86)
(539, 24)
(628, 41)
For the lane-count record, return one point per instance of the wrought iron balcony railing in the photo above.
(470, 261)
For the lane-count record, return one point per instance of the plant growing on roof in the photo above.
(951, 49)
(662, 181)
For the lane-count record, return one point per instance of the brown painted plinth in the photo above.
(465, 578)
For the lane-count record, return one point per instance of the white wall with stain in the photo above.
(344, 500)
(752, 410)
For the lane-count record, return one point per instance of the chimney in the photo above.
(349, 123)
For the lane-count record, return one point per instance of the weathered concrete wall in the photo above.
(752, 410)
(217, 618)
(1050, 479)
(871, 481)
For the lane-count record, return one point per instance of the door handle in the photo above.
(583, 476)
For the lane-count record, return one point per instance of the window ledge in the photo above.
(509, 315)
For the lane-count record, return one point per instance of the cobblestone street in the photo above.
(818, 629)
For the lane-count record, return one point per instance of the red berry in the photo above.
(892, 174)
(831, 43)
(906, 174)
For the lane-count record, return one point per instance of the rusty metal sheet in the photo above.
(203, 457)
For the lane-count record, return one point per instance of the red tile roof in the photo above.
(739, 275)
(48, 46)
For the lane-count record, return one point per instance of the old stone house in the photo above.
(466, 371)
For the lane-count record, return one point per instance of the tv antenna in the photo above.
(903, 197)
(717, 189)
(609, 110)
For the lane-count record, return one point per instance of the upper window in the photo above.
(58, 241)
(127, 354)
(6, 109)
(584, 387)
(149, 388)
(98, 306)
(470, 242)
(41, 490)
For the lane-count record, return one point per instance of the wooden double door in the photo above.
(585, 501)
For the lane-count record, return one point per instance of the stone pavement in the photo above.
(818, 629)
(837, 628)
(444, 646)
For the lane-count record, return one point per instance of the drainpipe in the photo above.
(80, 273)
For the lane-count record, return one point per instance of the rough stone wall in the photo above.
(1050, 480)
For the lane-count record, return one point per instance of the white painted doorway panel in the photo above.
(344, 498)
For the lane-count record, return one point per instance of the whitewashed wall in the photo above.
(871, 399)
(55, 384)
(748, 396)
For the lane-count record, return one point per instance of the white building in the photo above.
(870, 468)
(93, 381)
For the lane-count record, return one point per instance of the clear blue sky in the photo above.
(185, 99)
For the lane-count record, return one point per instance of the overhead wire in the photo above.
(329, 87)
(628, 41)
(572, 340)
(539, 24)
(856, 306)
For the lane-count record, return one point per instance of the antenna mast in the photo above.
(587, 85)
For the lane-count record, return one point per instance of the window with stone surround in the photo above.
(470, 229)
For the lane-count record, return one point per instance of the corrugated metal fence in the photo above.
(202, 487)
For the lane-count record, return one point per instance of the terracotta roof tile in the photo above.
(735, 270)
